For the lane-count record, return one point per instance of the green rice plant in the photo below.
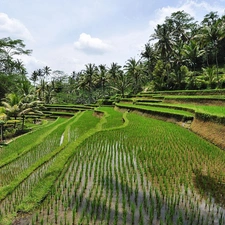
(43, 186)
(23, 144)
(146, 159)
(170, 113)
(38, 163)
(114, 118)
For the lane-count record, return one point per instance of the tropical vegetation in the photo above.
(85, 162)
(180, 54)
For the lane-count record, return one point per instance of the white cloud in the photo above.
(13, 28)
(91, 45)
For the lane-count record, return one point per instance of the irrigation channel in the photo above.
(148, 172)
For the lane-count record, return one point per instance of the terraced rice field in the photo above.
(121, 168)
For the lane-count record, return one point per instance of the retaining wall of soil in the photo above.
(213, 132)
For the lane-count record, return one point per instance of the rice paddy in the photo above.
(121, 168)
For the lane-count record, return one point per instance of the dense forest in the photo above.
(181, 54)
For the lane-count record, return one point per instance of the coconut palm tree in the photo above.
(26, 108)
(165, 43)
(34, 77)
(121, 83)
(135, 72)
(211, 34)
(90, 73)
(46, 71)
(114, 70)
(16, 106)
(192, 52)
(150, 56)
(102, 78)
(11, 105)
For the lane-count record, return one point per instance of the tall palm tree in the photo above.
(89, 73)
(134, 71)
(114, 70)
(149, 55)
(165, 43)
(121, 83)
(34, 77)
(46, 71)
(192, 52)
(211, 33)
(102, 78)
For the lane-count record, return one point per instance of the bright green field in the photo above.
(123, 168)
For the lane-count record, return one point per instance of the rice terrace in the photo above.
(116, 165)
(138, 144)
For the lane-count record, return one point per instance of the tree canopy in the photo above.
(180, 54)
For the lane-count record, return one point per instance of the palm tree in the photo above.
(165, 43)
(26, 108)
(16, 106)
(89, 74)
(11, 105)
(121, 83)
(34, 77)
(114, 70)
(102, 78)
(46, 71)
(134, 71)
(19, 67)
(211, 33)
(192, 52)
(40, 73)
(209, 73)
(150, 56)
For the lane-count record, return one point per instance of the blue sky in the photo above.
(66, 35)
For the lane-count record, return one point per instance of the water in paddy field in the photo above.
(106, 183)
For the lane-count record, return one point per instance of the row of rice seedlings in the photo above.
(114, 117)
(109, 195)
(83, 127)
(10, 203)
(137, 175)
(13, 169)
(18, 145)
(170, 160)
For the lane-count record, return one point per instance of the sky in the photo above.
(66, 35)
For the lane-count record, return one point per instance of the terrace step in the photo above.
(160, 113)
